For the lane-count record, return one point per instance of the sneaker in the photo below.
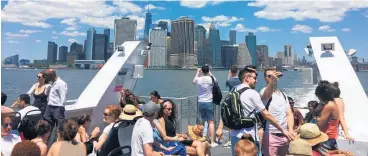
(228, 144)
(214, 145)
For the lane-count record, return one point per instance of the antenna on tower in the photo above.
(148, 6)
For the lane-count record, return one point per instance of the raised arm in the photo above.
(196, 76)
(266, 94)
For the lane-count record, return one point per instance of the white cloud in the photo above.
(53, 32)
(127, 7)
(153, 7)
(326, 28)
(346, 29)
(54, 37)
(71, 40)
(221, 20)
(69, 21)
(35, 13)
(13, 42)
(241, 28)
(99, 21)
(324, 11)
(16, 35)
(199, 3)
(73, 33)
(302, 28)
(29, 31)
(38, 41)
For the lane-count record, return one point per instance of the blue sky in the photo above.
(27, 26)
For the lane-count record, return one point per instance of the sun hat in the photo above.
(130, 112)
(300, 148)
(310, 133)
(195, 131)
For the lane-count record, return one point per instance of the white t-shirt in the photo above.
(8, 142)
(142, 134)
(108, 128)
(25, 110)
(204, 85)
(277, 108)
(250, 100)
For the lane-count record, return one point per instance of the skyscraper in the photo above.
(89, 43)
(232, 37)
(51, 52)
(157, 55)
(147, 24)
(12, 60)
(77, 49)
(107, 33)
(214, 40)
(182, 41)
(228, 55)
(124, 30)
(63, 51)
(163, 25)
(243, 57)
(200, 36)
(251, 41)
(262, 52)
(287, 50)
(100, 47)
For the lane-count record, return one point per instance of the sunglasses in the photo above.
(169, 109)
(6, 125)
(38, 77)
(291, 102)
(106, 114)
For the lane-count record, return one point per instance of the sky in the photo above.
(27, 26)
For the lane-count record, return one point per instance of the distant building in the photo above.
(24, 62)
(89, 44)
(214, 40)
(207, 53)
(287, 50)
(110, 50)
(200, 37)
(124, 30)
(147, 24)
(182, 40)
(262, 53)
(251, 41)
(70, 58)
(243, 57)
(163, 25)
(280, 55)
(225, 43)
(107, 33)
(168, 50)
(63, 51)
(232, 37)
(153, 26)
(78, 50)
(40, 62)
(157, 55)
(51, 52)
(228, 54)
(271, 61)
(89, 64)
(174, 60)
(12, 60)
(100, 47)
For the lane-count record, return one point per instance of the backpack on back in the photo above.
(216, 92)
(232, 111)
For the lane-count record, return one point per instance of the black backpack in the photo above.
(216, 92)
(260, 119)
(232, 111)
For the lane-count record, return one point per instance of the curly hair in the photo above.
(324, 91)
(335, 89)
(42, 127)
(27, 148)
(68, 129)
(172, 117)
(83, 119)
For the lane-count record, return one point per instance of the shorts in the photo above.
(206, 109)
(330, 144)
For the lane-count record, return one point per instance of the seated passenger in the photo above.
(111, 115)
(245, 148)
(167, 129)
(66, 145)
(311, 134)
(312, 105)
(8, 140)
(298, 117)
(82, 135)
(155, 97)
(26, 148)
(127, 97)
(23, 103)
(43, 130)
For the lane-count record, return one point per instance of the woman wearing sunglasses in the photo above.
(40, 91)
(8, 140)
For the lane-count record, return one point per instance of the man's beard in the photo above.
(253, 86)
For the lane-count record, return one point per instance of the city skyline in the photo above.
(19, 34)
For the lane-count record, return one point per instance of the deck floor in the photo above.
(220, 151)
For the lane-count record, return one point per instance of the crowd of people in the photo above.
(280, 130)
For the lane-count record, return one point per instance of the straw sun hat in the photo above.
(299, 147)
(195, 132)
(130, 112)
(310, 133)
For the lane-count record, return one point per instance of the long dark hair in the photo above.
(335, 89)
(324, 91)
(173, 114)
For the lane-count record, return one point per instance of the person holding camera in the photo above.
(274, 142)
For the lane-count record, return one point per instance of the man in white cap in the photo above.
(142, 137)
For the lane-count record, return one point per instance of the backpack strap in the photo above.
(213, 80)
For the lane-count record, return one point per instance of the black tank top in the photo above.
(170, 128)
(40, 100)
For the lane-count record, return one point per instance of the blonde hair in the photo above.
(245, 148)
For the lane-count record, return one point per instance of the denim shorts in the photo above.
(207, 110)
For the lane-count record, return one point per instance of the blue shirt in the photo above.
(232, 82)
